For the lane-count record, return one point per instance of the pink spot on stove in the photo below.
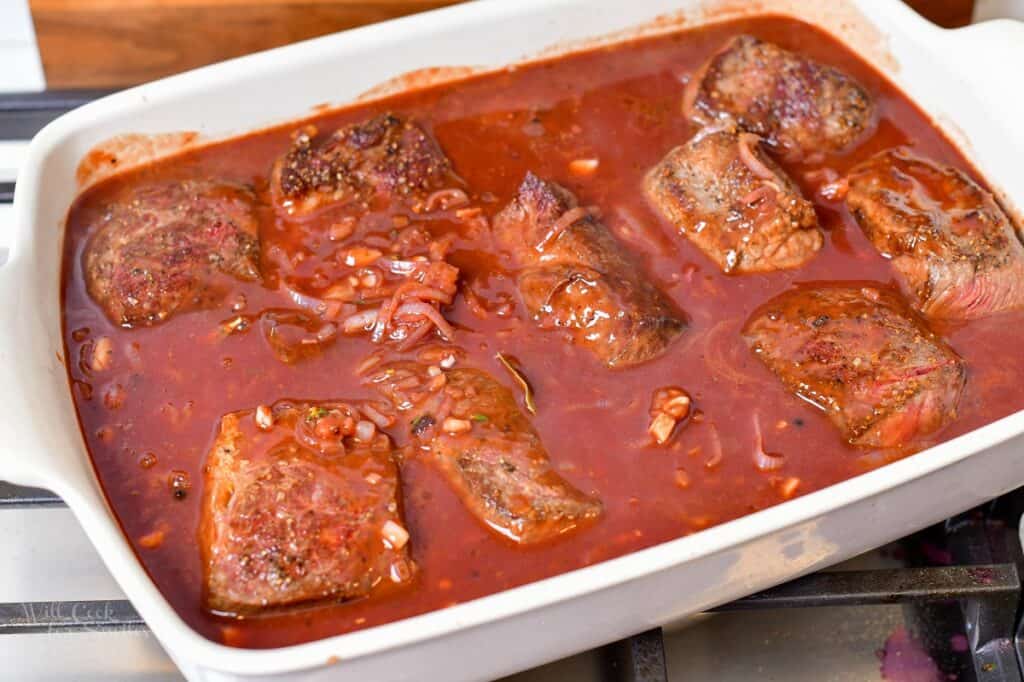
(905, 660)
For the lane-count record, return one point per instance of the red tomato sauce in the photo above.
(621, 106)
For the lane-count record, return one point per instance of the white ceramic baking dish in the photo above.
(961, 77)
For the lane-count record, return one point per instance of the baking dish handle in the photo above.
(18, 442)
(11, 468)
(985, 54)
(6, 232)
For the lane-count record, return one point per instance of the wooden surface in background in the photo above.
(947, 13)
(108, 43)
(111, 43)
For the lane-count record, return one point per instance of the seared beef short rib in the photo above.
(301, 505)
(577, 277)
(957, 254)
(722, 192)
(169, 248)
(386, 156)
(860, 355)
(475, 434)
(800, 106)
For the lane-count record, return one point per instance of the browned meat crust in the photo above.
(298, 509)
(860, 355)
(734, 203)
(576, 276)
(956, 252)
(386, 155)
(487, 450)
(800, 106)
(167, 247)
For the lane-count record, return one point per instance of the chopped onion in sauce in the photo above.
(365, 430)
(264, 417)
(716, 451)
(400, 571)
(102, 354)
(583, 167)
(394, 534)
(239, 323)
(445, 199)
(341, 229)
(359, 256)
(788, 487)
(382, 420)
(567, 220)
(748, 142)
(765, 461)
(682, 478)
(669, 406)
(661, 428)
(154, 539)
(834, 191)
(455, 426)
(360, 322)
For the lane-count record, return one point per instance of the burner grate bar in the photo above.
(887, 586)
(12, 496)
(840, 588)
(640, 658)
(22, 115)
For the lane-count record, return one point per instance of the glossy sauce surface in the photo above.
(621, 106)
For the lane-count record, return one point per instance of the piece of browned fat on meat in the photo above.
(859, 354)
(800, 106)
(169, 248)
(577, 277)
(473, 431)
(301, 505)
(734, 203)
(957, 254)
(387, 155)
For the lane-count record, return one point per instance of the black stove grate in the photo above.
(977, 596)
